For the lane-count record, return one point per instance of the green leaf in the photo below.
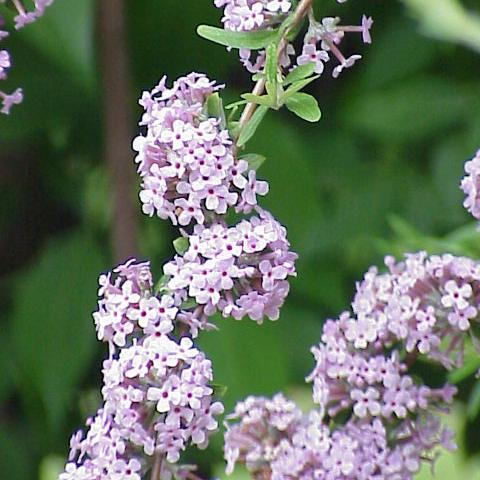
(239, 349)
(271, 69)
(409, 111)
(70, 44)
(254, 160)
(51, 467)
(297, 86)
(219, 389)
(250, 128)
(264, 100)
(53, 336)
(215, 108)
(236, 104)
(449, 20)
(305, 106)
(189, 303)
(181, 245)
(161, 283)
(299, 73)
(470, 366)
(474, 402)
(251, 40)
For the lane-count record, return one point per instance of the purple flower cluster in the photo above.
(320, 42)
(238, 271)
(275, 440)
(471, 185)
(25, 16)
(423, 306)
(156, 388)
(22, 18)
(246, 15)
(186, 160)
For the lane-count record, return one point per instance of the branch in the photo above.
(300, 13)
(118, 133)
(157, 466)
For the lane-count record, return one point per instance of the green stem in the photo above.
(300, 13)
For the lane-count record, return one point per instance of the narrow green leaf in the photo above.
(249, 130)
(297, 86)
(305, 106)
(51, 467)
(189, 303)
(254, 160)
(271, 67)
(161, 283)
(301, 72)
(470, 366)
(181, 245)
(235, 104)
(251, 40)
(52, 333)
(219, 389)
(474, 402)
(215, 108)
(260, 100)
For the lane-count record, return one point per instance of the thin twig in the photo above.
(118, 127)
(301, 11)
(157, 466)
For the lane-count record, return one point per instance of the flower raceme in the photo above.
(23, 17)
(424, 306)
(319, 44)
(157, 389)
(471, 185)
(186, 159)
(158, 395)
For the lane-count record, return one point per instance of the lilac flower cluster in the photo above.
(238, 271)
(157, 390)
(275, 440)
(187, 160)
(319, 44)
(22, 18)
(422, 306)
(246, 15)
(25, 16)
(471, 185)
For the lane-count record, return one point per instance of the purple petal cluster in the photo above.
(186, 159)
(424, 306)
(7, 100)
(23, 17)
(239, 271)
(246, 15)
(471, 185)
(275, 440)
(321, 41)
(157, 389)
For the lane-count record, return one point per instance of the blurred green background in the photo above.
(379, 174)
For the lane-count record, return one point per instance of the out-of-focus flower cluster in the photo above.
(186, 159)
(23, 17)
(320, 43)
(157, 388)
(421, 306)
(471, 185)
